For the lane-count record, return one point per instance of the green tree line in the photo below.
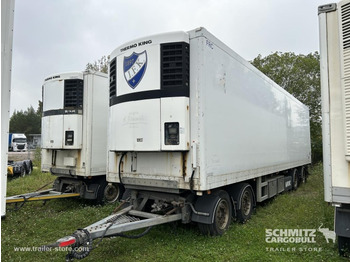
(27, 121)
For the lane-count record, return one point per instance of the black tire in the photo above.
(23, 170)
(344, 246)
(28, 167)
(245, 203)
(222, 216)
(295, 179)
(100, 193)
(302, 175)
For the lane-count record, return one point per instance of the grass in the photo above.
(36, 224)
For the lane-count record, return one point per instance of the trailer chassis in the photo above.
(128, 217)
(39, 195)
(212, 210)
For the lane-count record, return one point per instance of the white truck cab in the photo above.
(17, 142)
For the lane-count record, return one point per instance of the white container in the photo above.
(189, 110)
(74, 130)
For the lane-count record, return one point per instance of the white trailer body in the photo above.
(74, 129)
(211, 122)
(7, 16)
(334, 25)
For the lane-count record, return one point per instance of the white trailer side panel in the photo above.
(97, 108)
(325, 108)
(247, 125)
(7, 16)
(334, 76)
(334, 27)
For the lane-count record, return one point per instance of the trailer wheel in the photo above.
(28, 167)
(112, 193)
(302, 175)
(221, 216)
(246, 204)
(295, 178)
(243, 198)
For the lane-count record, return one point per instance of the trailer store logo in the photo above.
(297, 235)
(134, 68)
(290, 235)
(294, 240)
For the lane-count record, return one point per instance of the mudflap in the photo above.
(91, 192)
(205, 204)
(342, 221)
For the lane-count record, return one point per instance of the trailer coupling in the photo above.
(114, 225)
(79, 244)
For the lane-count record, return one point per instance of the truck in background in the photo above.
(74, 134)
(334, 26)
(17, 142)
(196, 134)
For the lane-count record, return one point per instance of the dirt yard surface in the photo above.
(17, 156)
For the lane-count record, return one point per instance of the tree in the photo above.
(39, 111)
(27, 122)
(100, 65)
(300, 76)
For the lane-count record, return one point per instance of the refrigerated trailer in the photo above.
(193, 116)
(196, 134)
(74, 134)
(334, 25)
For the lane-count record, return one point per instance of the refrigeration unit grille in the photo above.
(345, 38)
(112, 78)
(73, 93)
(175, 66)
(345, 17)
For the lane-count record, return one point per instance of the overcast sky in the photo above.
(60, 36)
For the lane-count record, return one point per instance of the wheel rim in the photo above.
(111, 193)
(246, 202)
(222, 215)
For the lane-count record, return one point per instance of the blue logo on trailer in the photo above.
(134, 68)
